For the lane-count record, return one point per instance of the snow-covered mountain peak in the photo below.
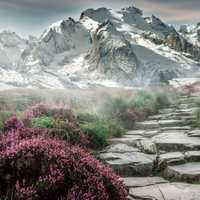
(11, 39)
(191, 33)
(132, 10)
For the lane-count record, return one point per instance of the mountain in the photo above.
(104, 47)
(191, 33)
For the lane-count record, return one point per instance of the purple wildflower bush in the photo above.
(37, 165)
(65, 124)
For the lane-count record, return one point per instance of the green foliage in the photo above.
(115, 129)
(143, 100)
(137, 107)
(197, 115)
(3, 117)
(99, 129)
(162, 100)
(43, 122)
(86, 117)
(115, 106)
(97, 132)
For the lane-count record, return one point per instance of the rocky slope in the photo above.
(106, 47)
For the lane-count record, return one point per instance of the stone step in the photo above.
(166, 191)
(134, 182)
(167, 110)
(173, 141)
(194, 133)
(153, 124)
(176, 128)
(174, 116)
(144, 133)
(130, 141)
(189, 172)
(129, 163)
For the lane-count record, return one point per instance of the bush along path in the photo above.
(160, 159)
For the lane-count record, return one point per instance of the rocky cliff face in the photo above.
(112, 55)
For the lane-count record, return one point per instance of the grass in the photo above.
(3, 117)
(99, 129)
(137, 107)
(43, 122)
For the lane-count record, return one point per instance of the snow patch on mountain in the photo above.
(191, 33)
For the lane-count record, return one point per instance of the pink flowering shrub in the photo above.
(34, 166)
(65, 125)
(13, 123)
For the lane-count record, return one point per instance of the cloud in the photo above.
(32, 16)
(174, 11)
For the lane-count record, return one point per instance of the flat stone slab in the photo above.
(131, 182)
(176, 128)
(128, 141)
(150, 124)
(172, 122)
(194, 133)
(185, 172)
(135, 132)
(151, 133)
(192, 156)
(167, 191)
(167, 111)
(153, 124)
(130, 164)
(144, 133)
(172, 157)
(120, 148)
(176, 141)
(160, 116)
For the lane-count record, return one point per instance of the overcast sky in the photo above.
(33, 16)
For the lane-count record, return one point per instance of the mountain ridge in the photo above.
(121, 47)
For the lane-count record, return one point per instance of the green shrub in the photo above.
(86, 118)
(162, 100)
(115, 129)
(3, 117)
(143, 100)
(43, 122)
(115, 106)
(197, 115)
(97, 133)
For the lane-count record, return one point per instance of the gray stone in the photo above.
(168, 123)
(176, 141)
(167, 111)
(194, 133)
(120, 148)
(136, 132)
(153, 124)
(172, 157)
(129, 141)
(192, 156)
(151, 133)
(147, 146)
(184, 172)
(132, 182)
(167, 191)
(176, 128)
(130, 164)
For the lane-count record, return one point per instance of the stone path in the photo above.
(164, 145)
